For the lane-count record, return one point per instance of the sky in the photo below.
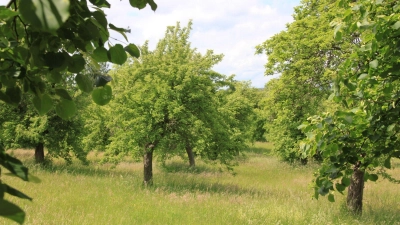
(229, 27)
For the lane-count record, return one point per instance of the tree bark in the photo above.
(148, 167)
(190, 154)
(355, 192)
(39, 153)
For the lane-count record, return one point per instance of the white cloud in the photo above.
(233, 28)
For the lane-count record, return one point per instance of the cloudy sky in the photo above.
(230, 27)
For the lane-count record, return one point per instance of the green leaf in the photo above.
(340, 187)
(54, 76)
(100, 3)
(101, 19)
(43, 104)
(15, 192)
(11, 211)
(76, 64)
(66, 109)
(85, 84)
(46, 15)
(152, 4)
(396, 25)
(331, 198)
(63, 94)
(119, 30)
(31, 178)
(338, 35)
(6, 13)
(140, 4)
(14, 94)
(14, 165)
(346, 181)
(387, 163)
(133, 50)
(21, 55)
(117, 54)
(102, 95)
(100, 54)
(373, 177)
(323, 190)
(374, 64)
(2, 190)
(54, 59)
(363, 76)
(391, 127)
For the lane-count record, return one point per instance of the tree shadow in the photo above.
(179, 167)
(205, 182)
(259, 149)
(103, 170)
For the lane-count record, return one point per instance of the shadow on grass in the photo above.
(179, 167)
(105, 170)
(260, 148)
(180, 179)
(184, 185)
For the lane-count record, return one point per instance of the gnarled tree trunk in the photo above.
(39, 153)
(190, 154)
(355, 192)
(148, 167)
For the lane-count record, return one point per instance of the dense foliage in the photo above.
(41, 41)
(306, 55)
(166, 101)
(358, 141)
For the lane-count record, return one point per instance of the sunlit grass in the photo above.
(263, 191)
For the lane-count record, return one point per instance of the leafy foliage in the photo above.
(41, 41)
(167, 101)
(363, 135)
(307, 62)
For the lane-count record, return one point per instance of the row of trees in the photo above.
(170, 102)
(349, 51)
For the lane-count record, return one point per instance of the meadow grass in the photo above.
(262, 191)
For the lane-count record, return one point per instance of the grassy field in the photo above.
(263, 191)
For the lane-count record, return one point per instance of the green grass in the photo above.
(263, 191)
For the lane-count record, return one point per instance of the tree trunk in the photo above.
(190, 154)
(39, 153)
(355, 192)
(148, 167)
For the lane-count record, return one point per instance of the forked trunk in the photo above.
(355, 192)
(190, 154)
(39, 153)
(148, 167)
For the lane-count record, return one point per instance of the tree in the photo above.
(166, 102)
(40, 41)
(243, 103)
(306, 55)
(24, 128)
(358, 141)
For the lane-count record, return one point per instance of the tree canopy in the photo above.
(166, 101)
(41, 41)
(306, 55)
(358, 140)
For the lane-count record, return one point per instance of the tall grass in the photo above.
(263, 191)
